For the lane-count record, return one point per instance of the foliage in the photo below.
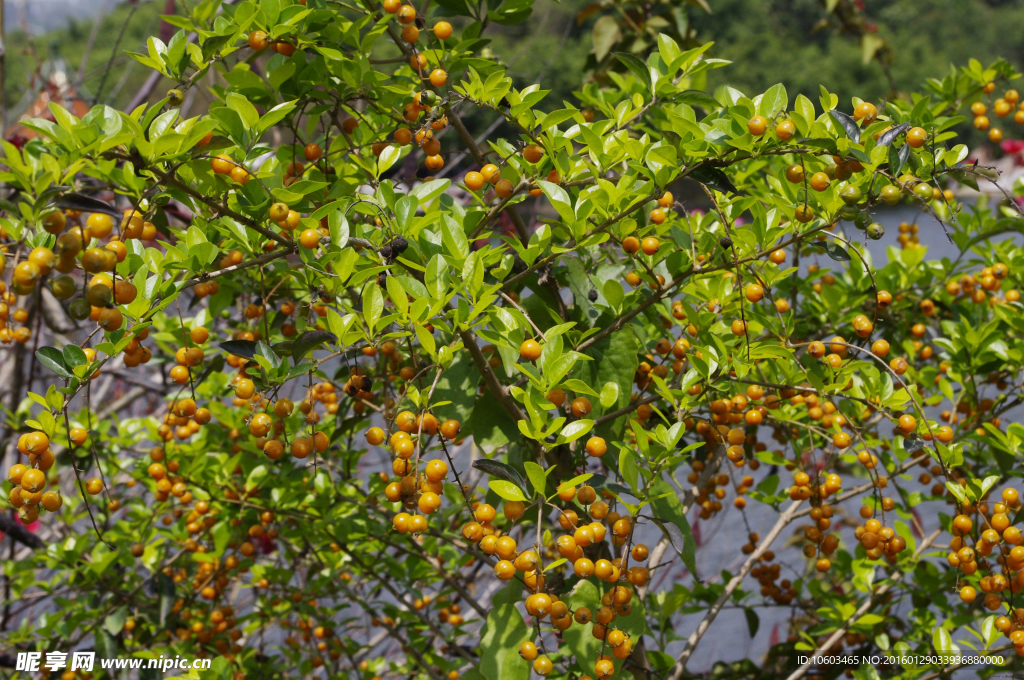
(336, 335)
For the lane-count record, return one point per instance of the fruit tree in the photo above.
(290, 397)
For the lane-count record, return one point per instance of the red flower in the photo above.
(1012, 146)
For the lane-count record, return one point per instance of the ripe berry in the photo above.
(407, 14)
(490, 173)
(757, 125)
(865, 113)
(916, 137)
(650, 245)
(514, 510)
(438, 77)
(51, 501)
(533, 153)
(785, 130)
(530, 350)
(504, 570)
(442, 30)
(450, 429)
(581, 407)
(258, 40)
(604, 669)
(310, 238)
(32, 480)
(804, 213)
(312, 152)
(819, 181)
(596, 447)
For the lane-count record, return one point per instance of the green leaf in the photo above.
(628, 468)
(753, 621)
(639, 68)
(244, 108)
(167, 596)
(373, 305)
(454, 238)
(457, 385)
(399, 298)
(605, 34)
(613, 292)
(898, 158)
(428, 191)
(943, 642)
(74, 356)
(266, 357)
(958, 491)
(578, 386)
(388, 157)
(575, 430)
(847, 124)
(405, 211)
(311, 340)
(669, 513)
(507, 490)
(491, 425)
(496, 468)
(274, 116)
(240, 348)
(837, 252)
(555, 564)
(426, 340)
(609, 394)
(614, 360)
(53, 359)
(988, 483)
(669, 50)
(500, 639)
(437, 278)
(774, 101)
(114, 622)
(537, 477)
(559, 200)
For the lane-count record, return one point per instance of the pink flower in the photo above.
(1012, 146)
